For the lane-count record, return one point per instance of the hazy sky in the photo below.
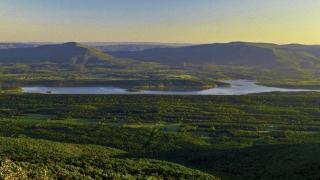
(193, 21)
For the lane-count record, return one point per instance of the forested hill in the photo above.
(234, 53)
(67, 53)
(292, 56)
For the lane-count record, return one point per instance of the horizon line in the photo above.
(149, 42)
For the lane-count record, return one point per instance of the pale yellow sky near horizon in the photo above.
(47, 21)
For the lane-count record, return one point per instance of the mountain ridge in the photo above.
(266, 55)
(66, 53)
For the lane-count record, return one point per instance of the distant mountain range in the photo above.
(261, 55)
(234, 53)
(175, 53)
(17, 45)
(68, 53)
(133, 46)
(290, 65)
(104, 46)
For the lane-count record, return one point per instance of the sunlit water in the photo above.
(238, 87)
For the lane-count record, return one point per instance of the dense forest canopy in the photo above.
(153, 136)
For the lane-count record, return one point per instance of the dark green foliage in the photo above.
(262, 136)
(271, 135)
(68, 161)
(257, 162)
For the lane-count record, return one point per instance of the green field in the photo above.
(263, 136)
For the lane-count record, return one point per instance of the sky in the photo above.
(179, 21)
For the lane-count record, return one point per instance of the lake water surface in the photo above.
(238, 87)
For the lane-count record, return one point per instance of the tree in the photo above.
(10, 171)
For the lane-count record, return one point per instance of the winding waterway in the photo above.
(238, 87)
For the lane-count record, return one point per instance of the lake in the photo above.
(238, 87)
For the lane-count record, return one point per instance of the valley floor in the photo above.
(262, 136)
